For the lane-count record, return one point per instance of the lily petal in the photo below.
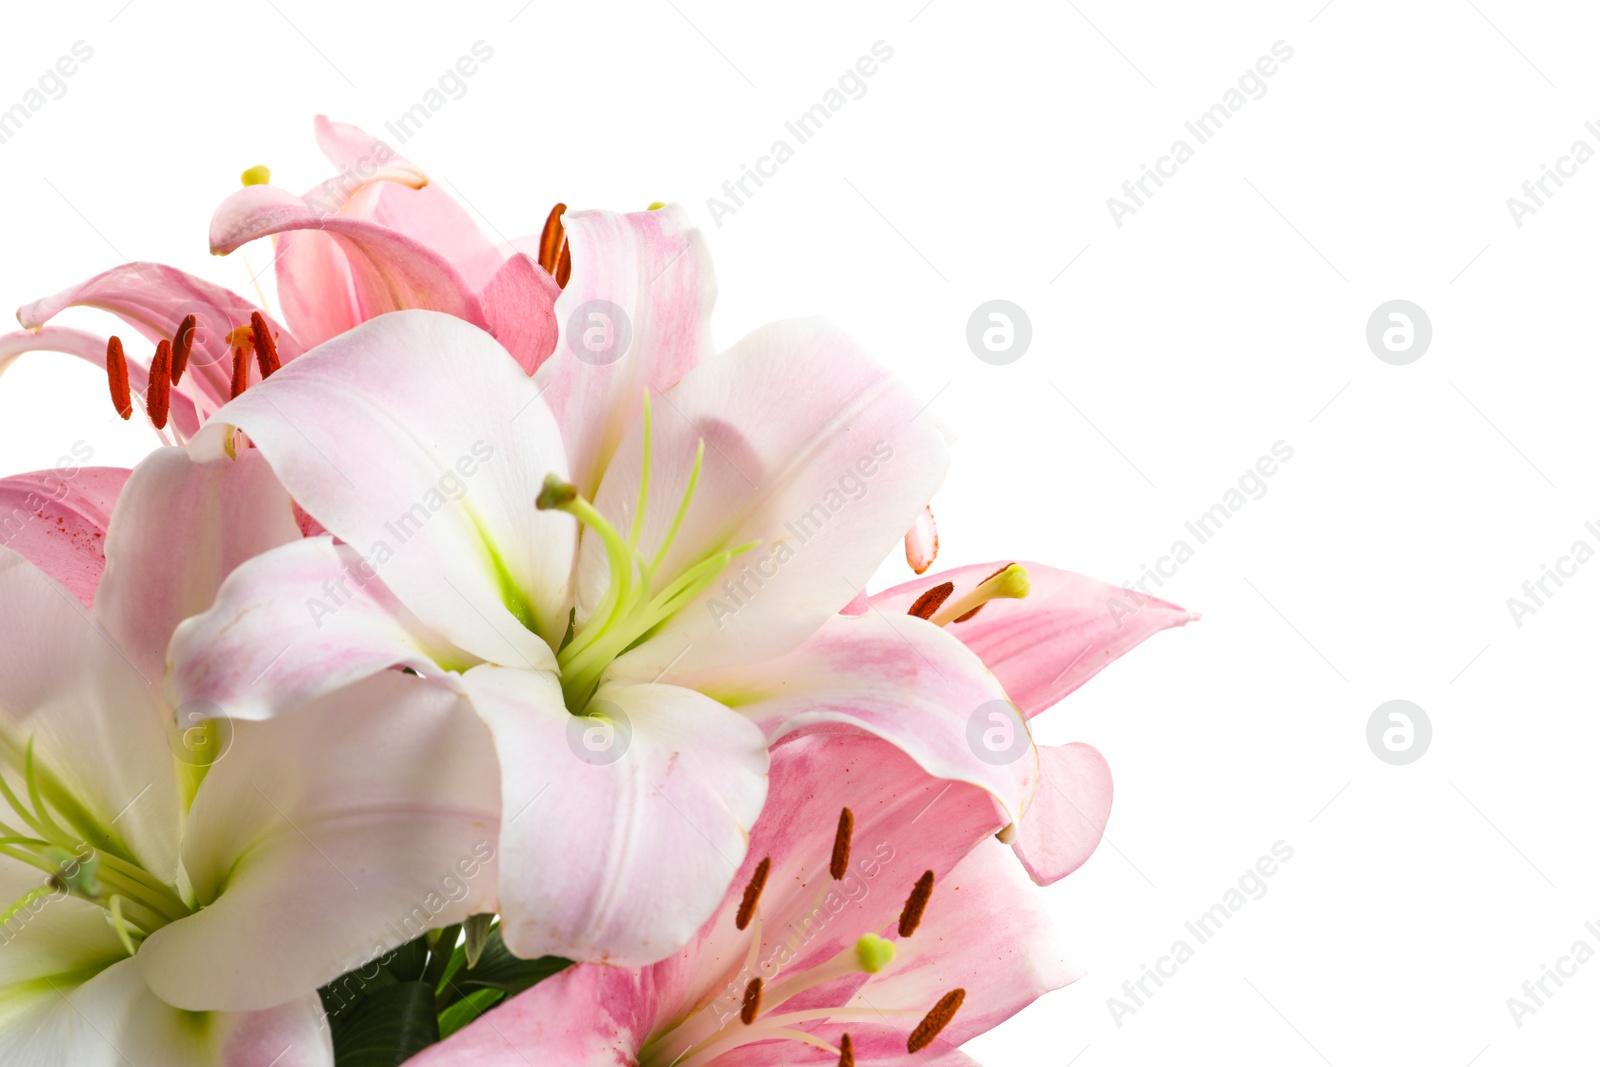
(57, 519)
(1069, 812)
(519, 303)
(154, 299)
(1067, 630)
(901, 679)
(368, 810)
(416, 439)
(179, 529)
(65, 684)
(648, 804)
(922, 542)
(811, 450)
(293, 625)
(388, 271)
(635, 314)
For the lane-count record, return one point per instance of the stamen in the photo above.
(259, 174)
(840, 863)
(847, 1052)
(564, 267)
(874, 953)
(241, 372)
(117, 375)
(931, 600)
(752, 893)
(911, 914)
(551, 239)
(1008, 583)
(936, 1020)
(182, 344)
(159, 394)
(266, 347)
(752, 1002)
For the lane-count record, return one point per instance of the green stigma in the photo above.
(259, 174)
(656, 205)
(874, 953)
(1008, 583)
(629, 612)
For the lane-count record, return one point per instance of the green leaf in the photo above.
(467, 1010)
(387, 1027)
(498, 969)
(478, 928)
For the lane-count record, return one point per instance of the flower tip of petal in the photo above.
(259, 174)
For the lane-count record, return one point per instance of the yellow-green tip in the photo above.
(656, 205)
(259, 174)
(874, 953)
(1013, 582)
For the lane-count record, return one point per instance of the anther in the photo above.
(840, 863)
(564, 265)
(182, 344)
(117, 375)
(911, 914)
(241, 372)
(936, 1020)
(266, 347)
(752, 1002)
(847, 1052)
(752, 893)
(159, 393)
(552, 239)
(931, 600)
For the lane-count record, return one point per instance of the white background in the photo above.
(1227, 314)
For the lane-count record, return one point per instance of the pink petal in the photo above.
(1063, 633)
(812, 451)
(648, 275)
(179, 529)
(421, 211)
(1069, 813)
(901, 679)
(57, 519)
(293, 625)
(154, 299)
(92, 349)
(295, 1034)
(622, 831)
(582, 1017)
(418, 441)
(520, 306)
(922, 542)
(388, 270)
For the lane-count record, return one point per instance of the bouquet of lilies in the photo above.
(481, 672)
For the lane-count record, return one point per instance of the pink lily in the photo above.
(1041, 647)
(172, 889)
(633, 679)
(873, 922)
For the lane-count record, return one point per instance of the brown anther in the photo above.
(241, 372)
(936, 1019)
(117, 375)
(847, 1052)
(159, 394)
(266, 347)
(564, 266)
(752, 1002)
(552, 239)
(752, 893)
(840, 863)
(911, 914)
(182, 345)
(932, 600)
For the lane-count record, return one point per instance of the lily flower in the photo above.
(873, 922)
(1041, 646)
(633, 678)
(174, 889)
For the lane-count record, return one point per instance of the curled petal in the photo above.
(57, 519)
